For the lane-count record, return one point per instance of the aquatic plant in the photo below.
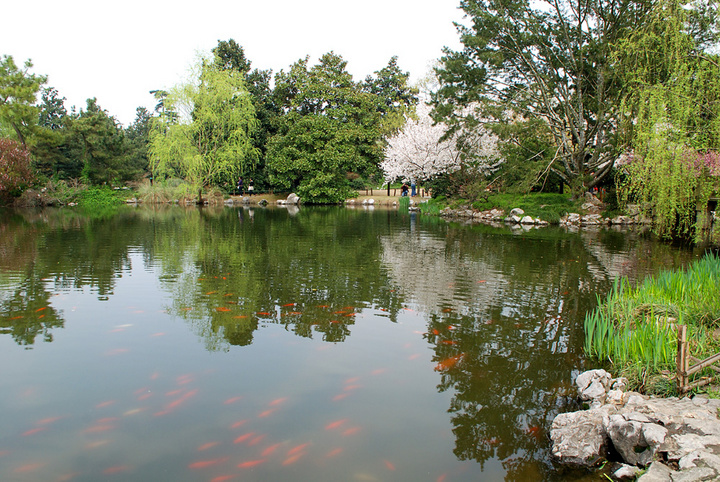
(635, 327)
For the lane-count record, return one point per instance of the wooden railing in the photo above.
(685, 371)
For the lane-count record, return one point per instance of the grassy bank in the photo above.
(634, 328)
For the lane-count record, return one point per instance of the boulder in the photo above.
(517, 212)
(292, 199)
(527, 220)
(579, 438)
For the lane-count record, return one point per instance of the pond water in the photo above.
(185, 344)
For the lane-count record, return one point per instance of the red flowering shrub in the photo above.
(15, 171)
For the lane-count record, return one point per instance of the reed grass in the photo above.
(636, 326)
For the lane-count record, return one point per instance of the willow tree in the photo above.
(211, 140)
(673, 119)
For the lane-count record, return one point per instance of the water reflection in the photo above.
(501, 310)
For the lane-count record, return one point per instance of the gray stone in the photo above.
(627, 438)
(517, 212)
(292, 199)
(626, 472)
(657, 472)
(579, 438)
(696, 474)
(527, 220)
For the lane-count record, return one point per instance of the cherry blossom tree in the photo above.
(421, 151)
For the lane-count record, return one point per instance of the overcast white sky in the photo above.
(119, 51)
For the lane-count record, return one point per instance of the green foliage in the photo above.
(522, 60)
(95, 197)
(332, 129)
(673, 121)
(213, 145)
(18, 93)
(635, 326)
(547, 206)
(404, 204)
(431, 206)
(95, 141)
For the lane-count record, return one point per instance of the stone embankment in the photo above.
(655, 439)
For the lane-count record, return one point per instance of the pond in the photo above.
(326, 343)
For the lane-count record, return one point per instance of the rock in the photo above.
(593, 384)
(527, 220)
(292, 199)
(573, 218)
(517, 212)
(512, 219)
(657, 472)
(626, 472)
(579, 438)
(368, 202)
(592, 219)
(263, 202)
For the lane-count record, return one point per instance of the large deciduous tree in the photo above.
(212, 141)
(549, 61)
(332, 128)
(18, 94)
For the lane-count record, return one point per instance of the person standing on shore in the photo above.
(240, 186)
(251, 187)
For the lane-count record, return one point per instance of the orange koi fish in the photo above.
(269, 450)
(46, 421)
(222, 478)
(116, 470)
(333, 452)
(277, 401)
(250, 463)
(16, 318)
(231, 400)
(160, 333)
(339, 396)
(351, 431)
(33, 431)
(448, 363)
(99, 428)
(206, 446)
(104, 404)
(201, 464)
(267, 413)
(238, 424)
(41, 309)
(243, 437)
(106, 420)
(263, 313)
(240, 316)
(211, 292)
(289, 304)
(180, 400)
(293, 458)
(323, 306)
(378, 371)
(222, 309)
(335, 424)
(297, 448)
(23, 469)
(389, 465)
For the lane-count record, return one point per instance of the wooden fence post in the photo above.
(682, 359)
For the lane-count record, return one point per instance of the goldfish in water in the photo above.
(201, 464)
(448, 363)
(250, 463)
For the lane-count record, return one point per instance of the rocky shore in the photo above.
(648, 438)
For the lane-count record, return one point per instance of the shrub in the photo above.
(15, 172)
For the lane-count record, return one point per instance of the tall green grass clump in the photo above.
(431, 206)
(404, 204)
(635, 327)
